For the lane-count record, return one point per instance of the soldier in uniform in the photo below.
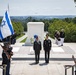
(37, 48)
(6, 56)
(47, 47)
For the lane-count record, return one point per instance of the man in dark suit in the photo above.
(47, 47)
(37, 48)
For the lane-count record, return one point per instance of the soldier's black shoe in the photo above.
(37, 62)
(47, 62)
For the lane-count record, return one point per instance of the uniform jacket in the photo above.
(47, 44)
(5, 60)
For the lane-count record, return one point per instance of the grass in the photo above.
(23, 41)
(20, 36)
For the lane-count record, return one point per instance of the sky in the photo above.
(38, 7)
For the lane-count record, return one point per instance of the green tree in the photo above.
(18, 27)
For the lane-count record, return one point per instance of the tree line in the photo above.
(68, 24)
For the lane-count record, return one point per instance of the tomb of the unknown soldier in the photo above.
(34, 28)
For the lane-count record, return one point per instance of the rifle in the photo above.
(9, 53)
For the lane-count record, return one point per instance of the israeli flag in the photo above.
(6, 28)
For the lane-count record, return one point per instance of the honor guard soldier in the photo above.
(47, 47)
(6, 56)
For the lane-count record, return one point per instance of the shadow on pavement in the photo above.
(43, 64)
(33, 63)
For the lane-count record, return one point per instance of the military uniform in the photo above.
(6, 61)
(6, 56)
(47, 48)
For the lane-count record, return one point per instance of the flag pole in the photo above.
(8, 5)
(8, 12)
(8, 8)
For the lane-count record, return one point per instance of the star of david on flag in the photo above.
(6, 28)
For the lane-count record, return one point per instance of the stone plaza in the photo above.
(22, 62)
